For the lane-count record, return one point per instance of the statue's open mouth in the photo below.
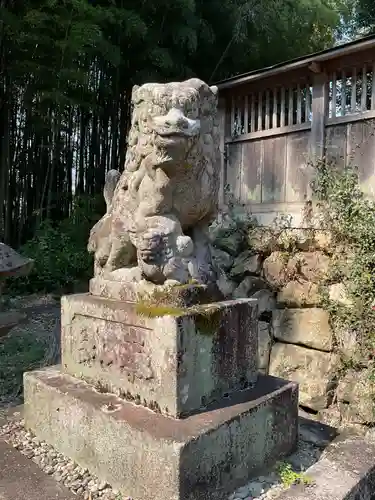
(170, 139)
(175, 126)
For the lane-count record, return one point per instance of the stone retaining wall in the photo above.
(285, 269)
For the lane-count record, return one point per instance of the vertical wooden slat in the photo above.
(334, 96)
(260, 112)
(282, 107)
(319, 107)
(274, 111)
(373, 87)
(307, 103)
(299, 104)
(223, 163)
(239, 116)
(267, 117)
(291, 106)
(343, 94)
(364, 89)
(252, 113)
(353, 99)
(246, 115)
(232, 116)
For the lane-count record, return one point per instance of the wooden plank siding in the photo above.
(275, 132)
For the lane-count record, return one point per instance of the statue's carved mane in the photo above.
(169, 184)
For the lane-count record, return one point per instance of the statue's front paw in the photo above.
(184, 246)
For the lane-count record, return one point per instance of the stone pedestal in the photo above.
(172, 364)
(215, 421)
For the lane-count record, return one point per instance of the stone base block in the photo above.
(149, 456)
(173, 363)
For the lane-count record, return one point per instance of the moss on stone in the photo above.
(151, 310)
(207, 317)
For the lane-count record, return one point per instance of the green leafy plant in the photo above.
(350, 217)
(60, 252)
(289, 477)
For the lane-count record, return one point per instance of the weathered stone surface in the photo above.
(370, 435)
(308, 327)
(226, 285)
(246, 263)
(294, 238)
(323, 240)
(152, 457)
(249, 286)
(223, 260)
(172, 295)
(348, 344)
(175, 363)
(262, 240)
(231, 242)
(356, 392)
(315, 371)
(265, 300)
(275, 270)
(12, 263)
(264, 346)
(338, 294)
(346, 471)
(313, 266)
(299, 294)
(168, 189)
(330, 416)
(225, 235)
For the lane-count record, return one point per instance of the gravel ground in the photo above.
(87, 486)
(76, 478)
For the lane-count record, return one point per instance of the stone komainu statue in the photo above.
(159, 209)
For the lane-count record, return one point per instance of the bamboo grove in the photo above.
(67, 68)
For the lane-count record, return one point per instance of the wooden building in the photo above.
(278, 121)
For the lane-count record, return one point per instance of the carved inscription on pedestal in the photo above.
(114, 347)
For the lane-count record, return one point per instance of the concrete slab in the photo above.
(149, 456)
(167, 363)
(346, 471)
(21, 479)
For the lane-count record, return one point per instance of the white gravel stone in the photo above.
(81, 482)
(77, 479)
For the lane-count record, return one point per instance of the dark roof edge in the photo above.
(324, 55)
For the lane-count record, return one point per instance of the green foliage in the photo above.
(60, 252)
(350, 216)
(364, 17)
(289, 477)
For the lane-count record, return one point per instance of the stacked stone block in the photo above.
(286, 271)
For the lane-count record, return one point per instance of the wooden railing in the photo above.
(278, 110)
(273, 131)
(272, 109)
(351, 93)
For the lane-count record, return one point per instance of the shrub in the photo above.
(350, 216)
(59, 251)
